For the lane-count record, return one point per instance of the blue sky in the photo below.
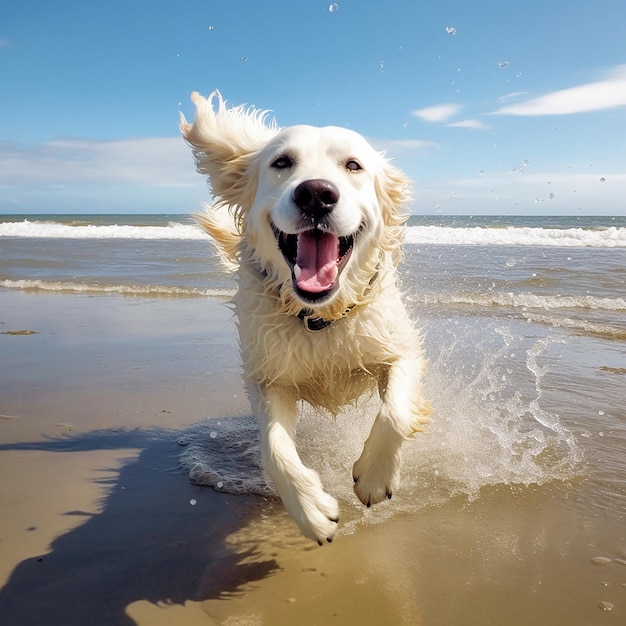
(490, 107)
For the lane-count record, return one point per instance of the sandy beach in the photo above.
(101, 526)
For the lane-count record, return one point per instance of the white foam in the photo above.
(54, 230)
(162, 291)
(611, 237)
(524, 301)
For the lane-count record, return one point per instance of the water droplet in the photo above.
(213, 434)
(244, 59)
(211, 28)
(606, 606)
(405, 125)
(381, 65)
(503, 64)
(511, 263)
(602, 180)
(450, 30)
(220, 484)
(551, 196)
(193, 502)
(600, 412)
(518, 75)
(333, 7)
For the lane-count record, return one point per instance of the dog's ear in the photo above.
(225, 142)
(394, 192)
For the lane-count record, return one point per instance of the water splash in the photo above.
(548, 420)
(489, 428)
(225, 454)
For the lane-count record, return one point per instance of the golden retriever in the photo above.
(311, 221)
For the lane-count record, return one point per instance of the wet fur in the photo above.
(371, 344)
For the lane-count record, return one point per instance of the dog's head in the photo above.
(317, 208)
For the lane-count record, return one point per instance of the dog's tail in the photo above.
(219, 223)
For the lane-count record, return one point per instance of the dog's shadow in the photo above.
(160, 539)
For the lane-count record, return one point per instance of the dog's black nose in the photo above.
(316, 198)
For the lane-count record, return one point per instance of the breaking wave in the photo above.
(55, 230)
(526, 301)
(572, 313)
(161, 291)
(610, 237)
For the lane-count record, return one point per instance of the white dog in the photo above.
(310, 220)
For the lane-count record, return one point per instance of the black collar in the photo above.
(313, 323)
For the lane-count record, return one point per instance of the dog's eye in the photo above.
(283, 162)
(353, 166)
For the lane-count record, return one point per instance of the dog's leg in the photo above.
(315, 511)
(402, 414)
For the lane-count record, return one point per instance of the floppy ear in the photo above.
(393, 190)
(224, 142)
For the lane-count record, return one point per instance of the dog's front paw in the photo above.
(315, 511)
(376, 477)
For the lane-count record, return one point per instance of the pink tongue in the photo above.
(317, 259)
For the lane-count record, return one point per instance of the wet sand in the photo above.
(100, 526)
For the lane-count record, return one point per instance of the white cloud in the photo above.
(397, 147)
(438, 113)
(76, 176)
(476, 124)
(158, 162)
(512, 96)
(602, 95)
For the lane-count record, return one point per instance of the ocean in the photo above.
(558, 271)
(524, 320)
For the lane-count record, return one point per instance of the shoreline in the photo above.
(97, 513)
(101, 526)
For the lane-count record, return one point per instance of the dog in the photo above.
(311, 221)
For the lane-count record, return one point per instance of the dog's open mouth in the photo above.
(316, 259)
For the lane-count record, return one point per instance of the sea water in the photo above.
(525, 332)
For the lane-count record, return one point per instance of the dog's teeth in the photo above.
(297, 270)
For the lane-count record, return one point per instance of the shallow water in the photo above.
(513, 503)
